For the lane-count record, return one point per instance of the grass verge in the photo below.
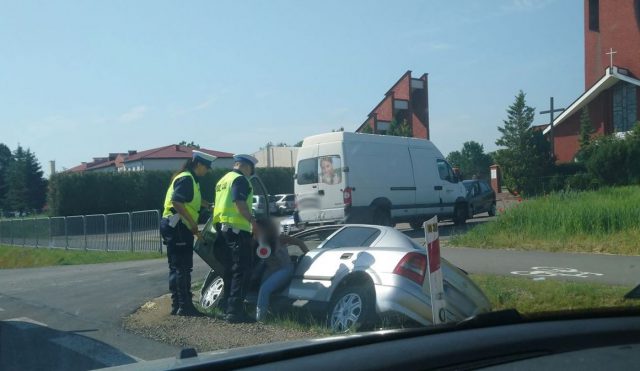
(602, 221)
(27, 257)
(528, 296)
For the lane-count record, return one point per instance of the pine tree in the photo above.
(26, 187)
(586, 130)
(5, 160)
(526, 156)
(37, 185)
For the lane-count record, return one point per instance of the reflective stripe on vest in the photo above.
(225, 210)
(193, 206)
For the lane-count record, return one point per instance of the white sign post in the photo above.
(434, 282)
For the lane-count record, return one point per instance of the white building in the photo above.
(277, 156)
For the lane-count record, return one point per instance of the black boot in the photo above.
(189, 310)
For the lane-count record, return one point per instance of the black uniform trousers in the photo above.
(234, 252)
(179, 241)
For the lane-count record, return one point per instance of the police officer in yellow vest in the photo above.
(178, 227)
(234, 222)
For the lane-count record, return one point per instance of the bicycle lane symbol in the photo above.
(556, 272)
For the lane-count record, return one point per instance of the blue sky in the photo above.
(82, 79)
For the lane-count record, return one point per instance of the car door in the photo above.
(261, 196)
(449, 190)
(487, 195)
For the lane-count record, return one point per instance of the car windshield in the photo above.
(220, 175)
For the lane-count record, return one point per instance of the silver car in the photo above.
(357, 274)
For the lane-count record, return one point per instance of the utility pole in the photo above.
(551, 111)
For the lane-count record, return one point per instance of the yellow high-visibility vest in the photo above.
(193, 206)
(225, 210)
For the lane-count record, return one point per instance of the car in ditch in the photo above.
(355, 275)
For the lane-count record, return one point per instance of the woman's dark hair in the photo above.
(190, 164)
(271, 237)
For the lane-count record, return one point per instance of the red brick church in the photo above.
(407, 100)
(612, 69)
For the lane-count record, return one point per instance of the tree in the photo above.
(471, 160)
(190, 144)
(586, 130)
(298, 144)
(26, 186)
(400, 129)
(5, 160)
(526, 155)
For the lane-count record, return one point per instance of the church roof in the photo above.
(610, 78)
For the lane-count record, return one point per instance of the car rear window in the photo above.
(353, 237)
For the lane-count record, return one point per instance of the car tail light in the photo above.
(346, 196)
(412, 266)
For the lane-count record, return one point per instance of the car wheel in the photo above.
(212, 294)
(460, 214)
(492, 210)
(416, 225)
(351, 309)
(382, 217)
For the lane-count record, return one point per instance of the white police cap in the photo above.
(204, 158)
(247, 159)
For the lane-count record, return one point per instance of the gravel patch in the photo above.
(152, 320)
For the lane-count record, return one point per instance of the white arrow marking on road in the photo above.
(555, 272)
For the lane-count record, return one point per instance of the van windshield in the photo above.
(308, 171)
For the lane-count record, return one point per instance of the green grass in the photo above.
(603, 221)
(27, 257)
(529, 296)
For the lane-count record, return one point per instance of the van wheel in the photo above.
(460, 214)
(382, 217)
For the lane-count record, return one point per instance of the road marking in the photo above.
(1, 309)
(540, 272)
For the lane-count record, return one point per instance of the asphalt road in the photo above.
(75, 311)
(84, 304)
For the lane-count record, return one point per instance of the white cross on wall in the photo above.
(610, 54)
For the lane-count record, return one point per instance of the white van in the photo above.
(377, 179)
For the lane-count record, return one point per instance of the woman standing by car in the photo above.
(278, 266)
(178, 227)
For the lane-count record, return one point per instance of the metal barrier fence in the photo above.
(134, 231)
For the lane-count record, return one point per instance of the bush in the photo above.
(613, 160)
(102, 193)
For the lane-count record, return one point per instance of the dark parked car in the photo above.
(482, 199)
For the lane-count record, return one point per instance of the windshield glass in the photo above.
(218, 175)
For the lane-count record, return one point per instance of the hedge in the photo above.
(102, 193)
